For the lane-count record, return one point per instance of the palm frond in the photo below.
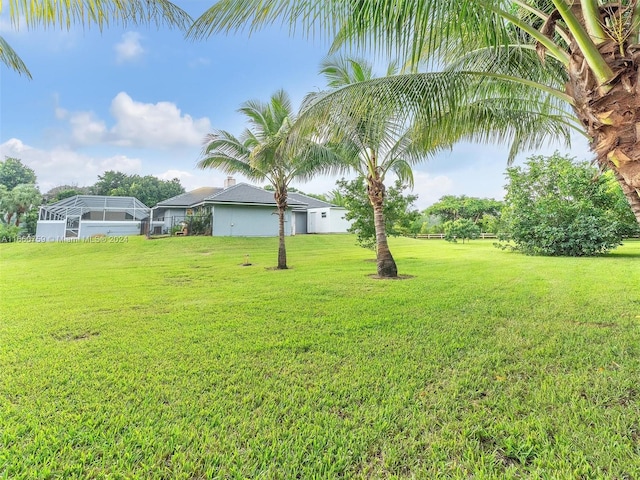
(11, 59)
(102, 13)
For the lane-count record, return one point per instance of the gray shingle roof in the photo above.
(191, 198)
(310, 201)
(244, 193)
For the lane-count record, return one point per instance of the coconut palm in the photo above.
(262, 153)
(54, 13)
(584, 53)
(372, 141)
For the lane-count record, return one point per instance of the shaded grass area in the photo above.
(168, 359)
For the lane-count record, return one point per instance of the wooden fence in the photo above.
(428, 236)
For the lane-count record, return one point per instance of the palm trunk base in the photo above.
(387, 267)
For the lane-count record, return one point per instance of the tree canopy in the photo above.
(148, 189)
(452, 208)
(13, 173)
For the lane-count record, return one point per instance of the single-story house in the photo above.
(85, 216)
(245, 210)
(318, 216)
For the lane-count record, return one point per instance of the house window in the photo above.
(324, 214)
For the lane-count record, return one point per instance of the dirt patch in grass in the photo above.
(375, 276)
(71, 337)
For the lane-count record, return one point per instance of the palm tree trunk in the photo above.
(632, 195)
(281, 201)
(612, 116)
(386, 264)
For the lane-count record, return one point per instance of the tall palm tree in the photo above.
(55, 13)
(262, 153)
(584, 53)
(371, 141)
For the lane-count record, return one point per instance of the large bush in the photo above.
(555, 206)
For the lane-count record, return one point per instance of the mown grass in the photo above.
(168, 359)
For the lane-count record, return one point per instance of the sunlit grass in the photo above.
(169, 359)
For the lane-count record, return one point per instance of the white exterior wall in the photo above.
(55, 230)
(338, 224)
(327, 220)
(110, 229)
(50, 230)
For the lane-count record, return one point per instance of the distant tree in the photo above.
(13, 173)
(554, 206)
(397, 210)
(452, 208)
(65, 191)
(110, 181)
(461, 229)
(148, 189)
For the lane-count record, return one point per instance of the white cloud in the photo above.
(86, 128)
(61, 166)
(141, 125)
(129, 49)
(155, 125)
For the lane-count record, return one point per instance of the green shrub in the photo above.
(557, 207)
(8, 233)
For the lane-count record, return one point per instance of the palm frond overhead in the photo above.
(102, 13)
(11, 59)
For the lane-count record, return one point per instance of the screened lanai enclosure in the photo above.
(87, 216)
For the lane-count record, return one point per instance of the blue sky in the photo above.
(140, 100)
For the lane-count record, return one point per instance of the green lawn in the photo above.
(168, 359)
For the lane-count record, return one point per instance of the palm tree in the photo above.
(371, 141)
(584, 53)
(54, 13)
(262, 153)
(19, 201)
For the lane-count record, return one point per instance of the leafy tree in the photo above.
(462, 228)
(397, 210)
(554, 206)
(566, 63)
(54, 13)
(261, 153)
(13, 173)
(148, 189)
(452, 208)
